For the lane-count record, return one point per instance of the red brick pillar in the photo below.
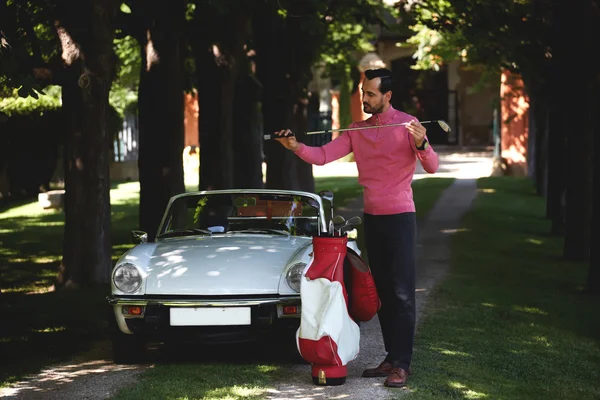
(514, 124)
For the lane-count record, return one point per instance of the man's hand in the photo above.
(417, 131)
(289, 142)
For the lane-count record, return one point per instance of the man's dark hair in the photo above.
(385, 75)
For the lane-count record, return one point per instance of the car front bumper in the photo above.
(267, 314)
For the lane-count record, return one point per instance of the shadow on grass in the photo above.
(46, 327)
(40, 329)
(511, 320)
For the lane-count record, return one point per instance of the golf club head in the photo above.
(444, 125)
(354, 221)
(338, 221)
(349, 225)
(345, 229)
(327, 195)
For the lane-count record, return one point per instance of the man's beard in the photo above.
(372, 110)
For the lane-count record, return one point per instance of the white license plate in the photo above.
(210, 316)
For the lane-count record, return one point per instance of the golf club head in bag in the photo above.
(338, 222)
(350, 224)
(328, 195)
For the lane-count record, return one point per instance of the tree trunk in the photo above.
(219, 59)
(209, 118)
(555, 197)
(578, 32)
(306, 181)
(285, 56)
(161, 112)
(277, 104)
(593, 19)
(247, 134)
(281, 163)
(532, 134)
(85, 30)
(542, 145)
(538, 130)
(579, 185)
(594, 267)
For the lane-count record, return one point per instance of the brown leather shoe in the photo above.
(396, 378)
(378, 372)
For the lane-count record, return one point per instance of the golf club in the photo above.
(338, 222)
(328, 195)
(350, 224)
(442, 124)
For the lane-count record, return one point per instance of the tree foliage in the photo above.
(30, 65)
(48, 99)
(29, 48)
(492, 34)
(351, 30)
(124, 90)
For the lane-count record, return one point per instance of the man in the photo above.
(386, 161)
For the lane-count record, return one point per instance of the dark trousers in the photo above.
(390, 243)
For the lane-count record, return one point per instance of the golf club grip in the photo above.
(269, 136)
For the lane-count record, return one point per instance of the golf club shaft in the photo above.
(268, 136)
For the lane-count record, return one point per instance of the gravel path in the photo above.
(89, 376)
(94, 376)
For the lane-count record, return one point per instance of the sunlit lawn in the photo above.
(512, 320)
(46, 327)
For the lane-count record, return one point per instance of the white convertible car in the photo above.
(225, 266)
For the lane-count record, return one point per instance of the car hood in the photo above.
(221, 264)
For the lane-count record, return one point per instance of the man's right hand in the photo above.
(289, 142)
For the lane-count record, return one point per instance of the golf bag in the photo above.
(337, 291)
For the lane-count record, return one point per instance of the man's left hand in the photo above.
(417, 131)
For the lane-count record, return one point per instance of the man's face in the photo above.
(373, 100)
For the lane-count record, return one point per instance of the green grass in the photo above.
(512, 319)
(46, 327)
(40, 326)
(211, 381)
(42, 329)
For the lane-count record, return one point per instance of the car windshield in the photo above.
(253, 213)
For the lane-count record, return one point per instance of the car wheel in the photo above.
(128, 349)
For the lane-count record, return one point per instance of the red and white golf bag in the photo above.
(329, 336)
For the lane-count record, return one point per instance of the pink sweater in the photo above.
(386, 159)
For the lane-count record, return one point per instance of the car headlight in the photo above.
(294, 275)
(127, 278)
